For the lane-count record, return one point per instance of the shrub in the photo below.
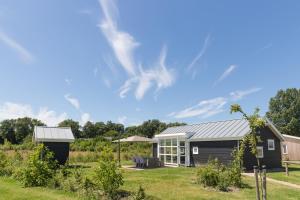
(140, 194)
(5, 167)
(107, 175)
(40, 167)
(235, 170)
(214, 174)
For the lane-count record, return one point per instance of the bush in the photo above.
(40, 167)
(140, 194)
(214, 174)
(107, 175)
(5, 167)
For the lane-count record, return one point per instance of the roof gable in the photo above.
(53, 134)
(221, 130)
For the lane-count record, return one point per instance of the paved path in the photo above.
(276, 181)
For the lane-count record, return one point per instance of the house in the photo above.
(56, 140)
(291, 147)
(193, 145)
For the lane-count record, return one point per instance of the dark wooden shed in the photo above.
(56, 139)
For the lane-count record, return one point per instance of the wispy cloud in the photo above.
(240, 94)
(85, 117)
(200, 54)
(68, 81)
(24, 54)
(9, 110)
(203, 109)
(267, 46)
(210, 107)
(225, 74)
(122, 119)
(73, 101)
(124, 45)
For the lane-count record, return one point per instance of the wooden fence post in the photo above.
(256, 182)
(264, 183)
(286, 169)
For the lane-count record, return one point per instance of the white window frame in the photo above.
(269, 141)
(262, 150)
(195, 150)
(286, 149)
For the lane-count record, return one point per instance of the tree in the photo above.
(7, 130)
(284, 111)
(251, 139)
(101, 128)
(75, 127)
(89, 130)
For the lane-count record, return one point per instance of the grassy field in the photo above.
(294, 175)
(162, 183)
(12, 190)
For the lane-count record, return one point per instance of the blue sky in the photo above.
(129, 61)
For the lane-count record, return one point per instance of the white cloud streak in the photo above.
(73, 101)
(24, 54)
(225, 74)
(200, 54)
(10, 110)
(124, 45)
(85, 117)
(210, 107)
(68, 81)
(203, 109)
(240, 94)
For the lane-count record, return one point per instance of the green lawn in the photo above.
(294, 175)
(162, 183)
(12, 190)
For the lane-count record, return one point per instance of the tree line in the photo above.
(16, 131)
(284, 111)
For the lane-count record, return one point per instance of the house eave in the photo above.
(214, 139)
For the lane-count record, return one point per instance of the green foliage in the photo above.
(75, 127)
(235, 170)
(284, 111)
(209, 175)
(4, 169)
(15, 130)
(107, 175)
(256, 123)
(40, 167)
(219, 176)
(140, 194)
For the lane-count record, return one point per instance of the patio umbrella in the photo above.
(135, 138)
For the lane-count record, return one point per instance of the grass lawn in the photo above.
(162, 183)
(294, 175)
(179, 183)
(13, 190)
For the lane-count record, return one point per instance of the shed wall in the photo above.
(210, 150)
(293, 151)
(60, 150)
(272, 158)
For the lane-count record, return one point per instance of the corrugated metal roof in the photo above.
(230, 129)
(53, 134)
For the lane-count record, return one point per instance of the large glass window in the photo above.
(168, 151)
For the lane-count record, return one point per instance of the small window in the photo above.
(195, 150)
(271, 145)
(260, 152)
(284, 149)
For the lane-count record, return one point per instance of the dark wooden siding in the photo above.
(60, 150)
(272, 158)
(154, 150)
(210, 150)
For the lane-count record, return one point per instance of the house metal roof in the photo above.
(220, 130)
(53, 134)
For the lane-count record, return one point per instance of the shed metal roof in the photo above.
(53, 134)
(220, 130)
